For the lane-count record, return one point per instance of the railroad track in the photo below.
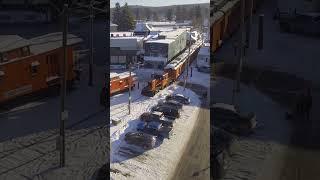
(39, 141)
(41, 153)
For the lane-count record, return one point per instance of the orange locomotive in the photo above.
(28, 66)
(121, 82)
(172, 71)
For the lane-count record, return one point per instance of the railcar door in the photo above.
(53, 65)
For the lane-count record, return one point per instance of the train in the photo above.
(120, 82)
(226, 20)
(172, 71)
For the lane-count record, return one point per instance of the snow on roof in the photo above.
(121, 75)
(163, 41)
(153, 58)
(142, 27)
(51, 41)
(11, 42)
(111, 24)
(172, 34)
(121, 34)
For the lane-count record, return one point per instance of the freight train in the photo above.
(121, 82)
(225, 19)
(172, 71)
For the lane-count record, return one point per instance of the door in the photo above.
(53, 65)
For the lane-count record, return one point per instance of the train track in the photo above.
(42, 140)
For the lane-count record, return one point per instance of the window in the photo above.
(5, 57)
(25, 51)
(111, 35)
(34, 68)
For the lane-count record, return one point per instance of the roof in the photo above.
(11, 42)
(172, 34)
(111, 24)
(163, 41)
(51, 41)
(121, 75)
(121, 34)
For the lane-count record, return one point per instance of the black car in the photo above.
(144, 140)
(171, 103)
(179, 97)
(227, 117)
(156, 116)
(155, 128)
(169, 112)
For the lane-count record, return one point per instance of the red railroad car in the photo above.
(121, 82)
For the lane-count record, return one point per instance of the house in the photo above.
(125, 48)
(31, 65)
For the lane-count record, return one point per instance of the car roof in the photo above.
(154, 124)
(224, 106)
(157, 113)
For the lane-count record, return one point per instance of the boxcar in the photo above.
(121, 82)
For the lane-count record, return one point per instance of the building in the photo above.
(125, 48)
(28, 66)
(160, 51)
(203, 58)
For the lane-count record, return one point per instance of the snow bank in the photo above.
(161, 161)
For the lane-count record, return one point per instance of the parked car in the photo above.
(179, 97)
(172, 103)
(227, 117)
(144, 140)
(169, 112)
(155, 128)
(156, 116)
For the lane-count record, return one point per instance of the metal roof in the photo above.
(11, 42)
(51, 41)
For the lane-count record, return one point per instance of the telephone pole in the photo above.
(130, 78)
(91, 45)
(63, 83)
(241, 44)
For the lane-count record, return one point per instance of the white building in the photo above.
(203, 58)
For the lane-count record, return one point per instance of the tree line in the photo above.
(126, 16)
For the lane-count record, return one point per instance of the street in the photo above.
(294, 152)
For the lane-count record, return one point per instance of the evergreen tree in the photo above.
(126, 20)
(137, 14)
(155, 16)
(169, 14)
(148, 13)
(116, 16)
(179, 14)
(184, 13)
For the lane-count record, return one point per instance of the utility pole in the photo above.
(260, 35)
(63, 83)
(91, 45)
(241, 45)
(130, 78)
(249, 22)
(188, 60)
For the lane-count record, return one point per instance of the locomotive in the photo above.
(172, 71)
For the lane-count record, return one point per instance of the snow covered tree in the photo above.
(116, 15)
(169, 14)
(127, 19)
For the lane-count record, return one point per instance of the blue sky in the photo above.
(157, 2)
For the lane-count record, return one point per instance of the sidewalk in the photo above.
(256, 155)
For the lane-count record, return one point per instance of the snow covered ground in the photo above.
(160, 161)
